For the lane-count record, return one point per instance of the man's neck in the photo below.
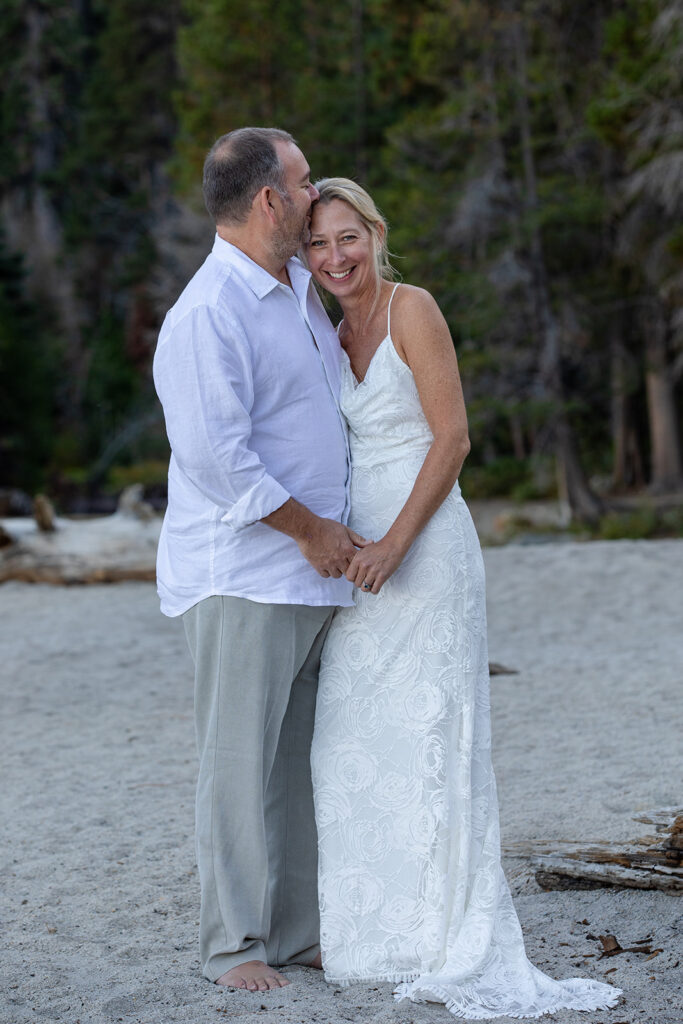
(255, 249)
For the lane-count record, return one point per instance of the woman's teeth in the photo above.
(340, 275)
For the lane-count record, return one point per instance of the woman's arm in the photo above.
(423, 341)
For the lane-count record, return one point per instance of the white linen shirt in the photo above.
(247, 370)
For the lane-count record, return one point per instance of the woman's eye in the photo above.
(316, 244)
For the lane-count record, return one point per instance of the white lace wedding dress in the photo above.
(411, 887)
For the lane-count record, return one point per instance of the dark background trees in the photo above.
(528, 155)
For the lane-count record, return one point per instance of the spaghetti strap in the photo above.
(389, 308)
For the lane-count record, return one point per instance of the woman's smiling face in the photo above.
(341, 253)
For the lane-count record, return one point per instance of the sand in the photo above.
(99, 886)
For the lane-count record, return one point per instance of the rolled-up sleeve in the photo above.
(204, 377)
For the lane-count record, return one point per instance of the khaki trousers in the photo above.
(256, 676)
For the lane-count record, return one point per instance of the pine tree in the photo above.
(639, 113)
(27, 366)
(495, 172)
(335, 82)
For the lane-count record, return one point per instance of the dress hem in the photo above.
(367, 979)
(590, 1002)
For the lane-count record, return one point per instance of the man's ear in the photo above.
(263, 201)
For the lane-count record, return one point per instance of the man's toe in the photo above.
(254, 976)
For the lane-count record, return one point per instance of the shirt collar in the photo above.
(300, 278)
(258, 279)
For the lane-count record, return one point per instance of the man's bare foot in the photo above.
(317, 962)
(253, 975)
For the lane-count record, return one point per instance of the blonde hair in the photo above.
(358, 199)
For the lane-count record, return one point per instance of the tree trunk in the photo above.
(627, 461)
(667, 469)
(584, 503)
(32, 225)
(619, 413)
(517, 436)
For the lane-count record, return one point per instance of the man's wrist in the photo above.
(294, 519)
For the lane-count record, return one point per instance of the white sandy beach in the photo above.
(99, 888)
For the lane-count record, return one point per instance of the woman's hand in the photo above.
(372, 565)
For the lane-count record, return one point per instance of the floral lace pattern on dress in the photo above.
(411, 887)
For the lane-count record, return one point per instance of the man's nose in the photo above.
(313, 193)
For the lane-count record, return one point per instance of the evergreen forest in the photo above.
(528, 155)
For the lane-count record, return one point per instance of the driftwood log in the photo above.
(107, 549)
(90, 551)
(654, 861)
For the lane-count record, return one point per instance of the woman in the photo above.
(411, 888)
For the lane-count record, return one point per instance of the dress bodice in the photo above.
(383, 411)
(389, 438)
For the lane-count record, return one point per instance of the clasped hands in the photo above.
(335, 550)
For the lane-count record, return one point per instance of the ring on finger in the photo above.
(367, 586)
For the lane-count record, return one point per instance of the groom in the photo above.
(253, 549)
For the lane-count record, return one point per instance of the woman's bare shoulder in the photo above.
(414, 311)
(411, 296)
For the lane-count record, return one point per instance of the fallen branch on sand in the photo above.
(651, 862)
(612, 947)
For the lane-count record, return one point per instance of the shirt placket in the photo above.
(342, 421)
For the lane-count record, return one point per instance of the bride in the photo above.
(411, 887)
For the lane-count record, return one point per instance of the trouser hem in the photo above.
(303, 959)
(218, 965)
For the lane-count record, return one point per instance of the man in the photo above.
(253, 549)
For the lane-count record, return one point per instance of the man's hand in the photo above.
(329, 546)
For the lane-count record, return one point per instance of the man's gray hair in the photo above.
(238, 166)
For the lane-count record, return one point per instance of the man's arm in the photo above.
(203, 376)
(329, 546)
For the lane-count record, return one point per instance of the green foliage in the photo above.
(111, 386)
(643, 522)
(640, 524)
(458, 170)
(28, 361)
(572, 216)
(336, 82)
(446, 110)
(508, 477)
(496, 479)
(107, 180)
(149, 473)
(14, 99)
(106, 183)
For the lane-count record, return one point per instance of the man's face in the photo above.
(295, 213)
